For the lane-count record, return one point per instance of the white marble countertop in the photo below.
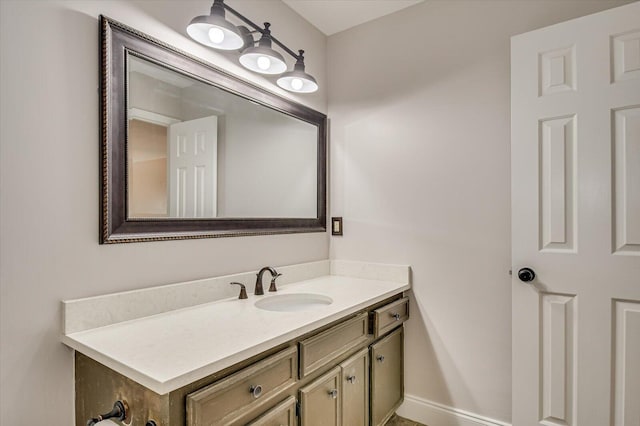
(172, 349)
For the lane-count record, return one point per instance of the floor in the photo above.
(396, 420)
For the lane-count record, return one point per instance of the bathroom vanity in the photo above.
(326, 349)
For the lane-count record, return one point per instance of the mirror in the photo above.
(189, 151)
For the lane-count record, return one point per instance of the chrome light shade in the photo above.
(214, 30)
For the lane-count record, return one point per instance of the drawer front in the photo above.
(248, 389)
(390, 316)
(355, 389)
(387, 376)
(320, 349)
(320, 401)
(283, 414)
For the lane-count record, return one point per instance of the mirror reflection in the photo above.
(197, 151)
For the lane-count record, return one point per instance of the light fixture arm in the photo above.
(256, 27)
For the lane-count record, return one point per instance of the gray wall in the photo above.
(49, 175)
(419, 102)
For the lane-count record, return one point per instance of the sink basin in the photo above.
(293, 302)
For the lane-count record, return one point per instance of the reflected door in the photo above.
(192, 168)
(576, 221)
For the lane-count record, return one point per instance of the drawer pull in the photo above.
(351, 379)
(256, 391)
(380, 358)
(395, 316)
(333, 393)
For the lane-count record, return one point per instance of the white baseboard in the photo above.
(434, 414)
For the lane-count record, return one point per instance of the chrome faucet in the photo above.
(274, 274)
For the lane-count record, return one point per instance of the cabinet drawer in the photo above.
(283, 414)
(390, 316)
(340, 339)
(248, 389)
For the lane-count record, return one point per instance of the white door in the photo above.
(193, 152)
(575, 122)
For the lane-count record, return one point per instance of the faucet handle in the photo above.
(272, 287)
(243, 290)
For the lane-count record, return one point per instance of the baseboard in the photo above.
(433, 414)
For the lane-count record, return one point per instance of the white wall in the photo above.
(49, 175)
(419, 108)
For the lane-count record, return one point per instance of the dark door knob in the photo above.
(526, 275)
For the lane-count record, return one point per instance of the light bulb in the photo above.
(297, 84)
(263, 63)
(216, 35)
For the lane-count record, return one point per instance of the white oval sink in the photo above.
(293, 302)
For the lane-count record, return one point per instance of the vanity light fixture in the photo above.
(214, 30)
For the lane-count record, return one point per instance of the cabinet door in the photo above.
(320, 401)
(355, 389)
(283, 414)
(387, 376)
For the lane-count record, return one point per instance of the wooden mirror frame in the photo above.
(116, 41)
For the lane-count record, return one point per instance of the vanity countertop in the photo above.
(169, 350)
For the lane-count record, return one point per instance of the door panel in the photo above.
(627, 363)
(558, 341)
(575, 150)
(557, 184)
(626, 193)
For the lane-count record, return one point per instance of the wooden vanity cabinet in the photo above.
(387, 376)
(340, 374)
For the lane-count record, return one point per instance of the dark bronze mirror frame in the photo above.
(118, 40)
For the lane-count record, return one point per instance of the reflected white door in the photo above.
(575, 100)
(193, 151)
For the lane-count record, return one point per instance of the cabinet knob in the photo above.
(351, 379)
(333, 393)
(380, 358)
(395, 316)
(256, 391)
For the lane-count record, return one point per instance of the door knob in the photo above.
(526, 275)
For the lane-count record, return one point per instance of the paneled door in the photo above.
(575, 140)
(193, 168)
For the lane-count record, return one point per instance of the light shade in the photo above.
(298, 80)
(262, 58)
(214, 30)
